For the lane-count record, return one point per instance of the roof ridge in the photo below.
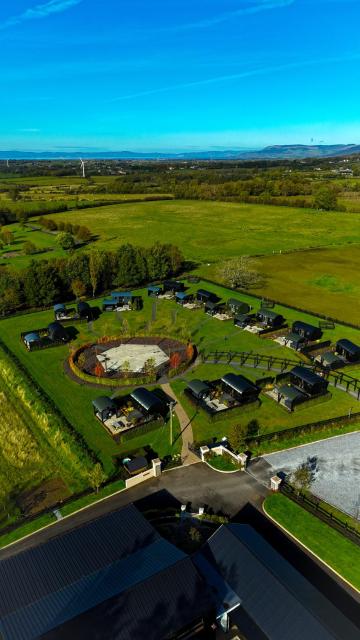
(284, 584)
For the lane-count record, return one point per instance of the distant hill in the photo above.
(298, 151)
(275, 152)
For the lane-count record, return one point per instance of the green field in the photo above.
(213, 231)
(45, 243)
(210, 232)
(74, 400)
(325, 281)
(329, 545)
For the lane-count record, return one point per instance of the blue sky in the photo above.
(178, 74)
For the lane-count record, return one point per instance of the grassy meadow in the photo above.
(14, 254)
(325, 281)
(213, 231)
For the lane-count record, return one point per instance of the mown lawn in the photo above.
(333, 548)
(74, 400)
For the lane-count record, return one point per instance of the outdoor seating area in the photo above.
(121, 414)
(122, 301)
(329, 360)
(297, 387)
(61, 312)
(221, 395)
(300, 386)
(52, 335)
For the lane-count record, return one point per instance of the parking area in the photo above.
(336, 469)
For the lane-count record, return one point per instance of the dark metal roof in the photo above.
(294, 337)
(32, 337)
(306, 375)
(182, 295)
(105, 560)
(205, 293)
(244, 316)
(210, 304)
(146, 399)
(240, 384)
(103, 403)
(121, 294)
(304, 326)
(277, 598)
(155, 608)
(83, 306)
(137, 464)
(233, 302)
(289, 392)
(349, 346)
(198, 387)
(56, 330)
(59, 307)
(268, 314)
(329, 358)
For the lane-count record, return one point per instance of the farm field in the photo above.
(45, 243)
(211, 232)
(320, 280)
(325, 281)
(74, 400)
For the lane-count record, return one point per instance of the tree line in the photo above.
(46, 282)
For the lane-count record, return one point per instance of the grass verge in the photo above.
(331, 547)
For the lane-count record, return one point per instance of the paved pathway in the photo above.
(187, 456)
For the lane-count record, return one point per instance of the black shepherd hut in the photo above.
(348, 350)
(199, 389)
(307, 331)
(202, 295)
(308, 382)
(240, 387)
(270, 318)
(104, 408)
(57, 333)
(237, 307)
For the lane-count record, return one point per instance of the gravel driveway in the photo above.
(336, 466)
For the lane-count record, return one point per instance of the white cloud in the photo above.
(261, 71)
(257, 7)
(39, 11)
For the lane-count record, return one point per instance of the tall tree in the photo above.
(96, 477)
(240, 272)
(96, 264)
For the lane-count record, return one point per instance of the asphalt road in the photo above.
(239, 495)
(197, 484)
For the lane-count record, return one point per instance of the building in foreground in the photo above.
(116, 578)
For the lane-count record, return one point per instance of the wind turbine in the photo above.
(82, 166)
